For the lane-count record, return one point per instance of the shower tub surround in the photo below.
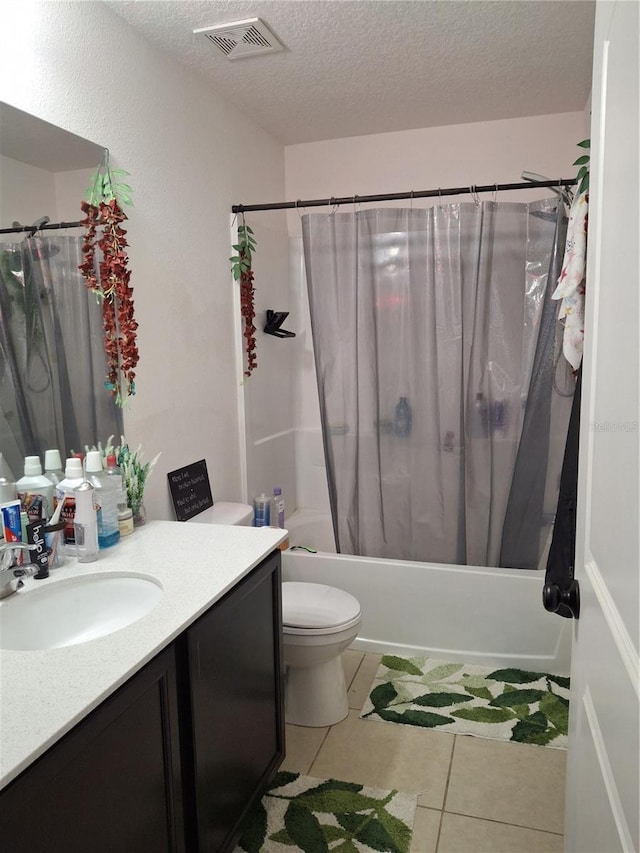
(472, 614)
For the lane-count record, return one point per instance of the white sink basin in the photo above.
(75, 610)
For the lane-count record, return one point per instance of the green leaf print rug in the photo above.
(326, 816)
(501, 704)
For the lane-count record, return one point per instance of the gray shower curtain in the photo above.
(52, 360)
(428, 326)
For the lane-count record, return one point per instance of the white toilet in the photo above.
(319, 622)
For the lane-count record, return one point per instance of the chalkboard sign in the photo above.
(190, 490)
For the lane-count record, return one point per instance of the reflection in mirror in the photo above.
(52, 360)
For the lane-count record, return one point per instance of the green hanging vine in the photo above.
(241, 267)
(110, 279)
(583, 174)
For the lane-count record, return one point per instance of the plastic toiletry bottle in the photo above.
(35, 491)
(85, 523)
(73, 476)
(115, 476)
(5, 471)
(53, 467)
(8, 495)
(499, 417)
(125, 520)
(125, 514)
(402, 418)
(261, 511)
(8, 491)
(278, 505)
(107, 496)
(480, 417)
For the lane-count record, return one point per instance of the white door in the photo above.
(602, 810)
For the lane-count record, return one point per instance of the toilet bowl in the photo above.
(319, 623)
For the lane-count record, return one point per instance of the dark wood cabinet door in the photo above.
(113, 784)
(237, 713)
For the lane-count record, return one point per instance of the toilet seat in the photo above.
(313, 608)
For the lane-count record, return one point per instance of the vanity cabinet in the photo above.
(112, 784)
(173, 760)
(237, 709)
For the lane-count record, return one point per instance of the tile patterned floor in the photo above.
(475, 795)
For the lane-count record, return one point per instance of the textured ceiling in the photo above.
(355, 67)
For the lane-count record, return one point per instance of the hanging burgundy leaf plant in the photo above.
(241, 267)
(109, 279)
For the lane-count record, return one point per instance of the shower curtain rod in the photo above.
(357, 199)
(35, 230)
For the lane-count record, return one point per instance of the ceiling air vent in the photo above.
(242, 38)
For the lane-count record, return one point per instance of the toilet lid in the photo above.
(314, 605)
(225, 512)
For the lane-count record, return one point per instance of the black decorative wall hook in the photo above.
(275, 319)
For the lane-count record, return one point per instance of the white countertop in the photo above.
(43, 694)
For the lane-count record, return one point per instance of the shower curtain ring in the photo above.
(411, 201)
(495, 194)
(298, 208)
(333, 201)
(355, 204)
(440, 196)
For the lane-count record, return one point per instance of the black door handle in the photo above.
(553, 597)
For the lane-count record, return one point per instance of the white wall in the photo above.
(428, 158)
(456, 155)
(26, 194)
(268, 394)
(70, 188)
(190, 155)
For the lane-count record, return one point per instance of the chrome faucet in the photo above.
(10, 574)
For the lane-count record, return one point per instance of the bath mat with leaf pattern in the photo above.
(317, 816)
(501, 704)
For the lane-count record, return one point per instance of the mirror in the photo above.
(44, 170)
(52, 361)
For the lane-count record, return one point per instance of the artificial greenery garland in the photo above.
(241, 268)
(110, 281)
(583, 174)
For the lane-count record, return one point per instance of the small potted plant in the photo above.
(135, 474)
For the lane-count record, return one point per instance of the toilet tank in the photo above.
(226, 512)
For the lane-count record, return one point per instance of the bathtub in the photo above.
(471, 614)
